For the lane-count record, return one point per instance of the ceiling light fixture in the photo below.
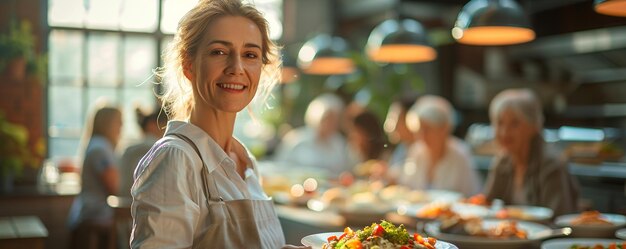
(610, 7)
(492, 22)
(403, 41)
(325, 55)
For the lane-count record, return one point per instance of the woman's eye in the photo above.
(217, 52)
(251, 55)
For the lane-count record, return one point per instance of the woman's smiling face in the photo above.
(230, 64)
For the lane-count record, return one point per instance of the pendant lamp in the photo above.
(610, 7)
(403, 41)
(325, 55)
(492, 22)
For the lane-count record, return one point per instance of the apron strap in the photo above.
(206, 180)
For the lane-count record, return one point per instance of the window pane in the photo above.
(140, 57)
(173, 10)
(67, 13)
(66, 60)
(272, 11)
(63, 147)
(103, 14)
(65, 111)
(102, 52)
(139, 15)
(101, 96)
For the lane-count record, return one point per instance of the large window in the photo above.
(105, 51)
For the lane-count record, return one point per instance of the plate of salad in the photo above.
(584, 243)
(383, 235)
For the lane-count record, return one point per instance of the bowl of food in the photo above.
(592, 224)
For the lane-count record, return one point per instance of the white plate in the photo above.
(531, 228)
(567, 242)
(531, 213)
(439, 195)
(621, 233)
(594, 231)
(317, 241)
(464, 210)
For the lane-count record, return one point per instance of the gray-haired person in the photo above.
(526, 172)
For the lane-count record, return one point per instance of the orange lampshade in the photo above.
(395, 41)
(610, 7)
(492, 22)
(325, 55)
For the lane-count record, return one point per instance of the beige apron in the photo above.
(237, 223)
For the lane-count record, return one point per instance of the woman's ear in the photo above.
(188, 70)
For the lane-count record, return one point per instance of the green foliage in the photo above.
(14, 150)
(19, 42)
(381, 83)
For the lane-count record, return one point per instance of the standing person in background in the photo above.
(198, 187)
(99, 176)
(399, 134)
(152, 127)
(319, 142)
(526, 171)
(438, 160)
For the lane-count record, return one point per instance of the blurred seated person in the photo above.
(398, 132)
(150, 124)
(318, 143)
(438, 160)
(90, 215)
(526, 172)
(367, 144)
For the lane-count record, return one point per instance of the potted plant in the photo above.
(14, 152)
(17, 50)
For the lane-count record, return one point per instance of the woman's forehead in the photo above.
(236, 30)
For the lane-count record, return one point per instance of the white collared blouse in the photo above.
(169, 206)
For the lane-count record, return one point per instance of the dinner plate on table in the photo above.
(621, 233)
(316, 241)
(526, 213)
(592, 230)
(420, 210)
(566, 243)
(535, 231)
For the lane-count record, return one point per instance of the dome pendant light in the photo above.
(325, 55)
(492, 22)
(395, 41)
(610, 7)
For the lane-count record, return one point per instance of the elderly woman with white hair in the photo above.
(318, 143)
(437, 160)
(526, 172)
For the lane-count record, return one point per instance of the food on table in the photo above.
(599, 246)
(590, 218)
(383, 235)
(513, 213)
(479, 199)
(507, 229)
(436, 210)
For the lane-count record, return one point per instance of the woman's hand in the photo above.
(296, 247)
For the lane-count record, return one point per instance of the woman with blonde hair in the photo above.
(526, 172)
(198, 187)
(100, 178)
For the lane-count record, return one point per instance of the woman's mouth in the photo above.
(234, 87)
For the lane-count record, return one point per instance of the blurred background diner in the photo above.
(387, 109)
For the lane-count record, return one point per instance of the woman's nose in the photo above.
(235, 65)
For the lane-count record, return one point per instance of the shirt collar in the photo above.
(210, 152)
